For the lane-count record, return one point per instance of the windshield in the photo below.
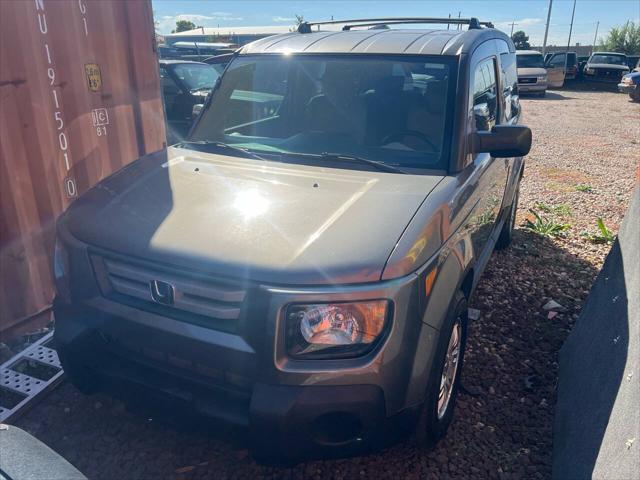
(196, 76)
(610, 59)
(530, 61)
(387, 109)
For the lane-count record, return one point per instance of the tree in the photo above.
(521, 40)
(299, 20)
(624, 39)
(183, 26)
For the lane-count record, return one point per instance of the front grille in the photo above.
(194, 298)
(527, 80)
(605, 73)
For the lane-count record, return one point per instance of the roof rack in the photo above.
(474, 23)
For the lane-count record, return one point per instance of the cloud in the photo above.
(284, 19)
(167, 23)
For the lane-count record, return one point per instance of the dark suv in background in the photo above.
(606, 67)
(184, 84)
(301, 265)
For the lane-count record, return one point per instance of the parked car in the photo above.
(199, 51)
(184, 84)
(637, 67)
(630, 84)
(606, 67)
(532, 76)
(302, 267)
(219, 62)
(633, 61)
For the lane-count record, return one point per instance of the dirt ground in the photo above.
(582, 166)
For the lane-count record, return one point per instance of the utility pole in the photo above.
(447, 23)
(595, 37)
(546, 30)
(571, 27)
(459, 25)
(512, 24)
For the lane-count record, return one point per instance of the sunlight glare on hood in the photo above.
(251, 203)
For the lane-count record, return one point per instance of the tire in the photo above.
(506, 234)
(79, 376)
(635, 96)
(434, 419)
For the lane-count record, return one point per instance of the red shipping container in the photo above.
(79, 99)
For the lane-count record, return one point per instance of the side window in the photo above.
(169, 86)
(485, 95)
(557, 61)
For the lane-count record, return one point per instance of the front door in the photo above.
(556, 70)
(490, 174)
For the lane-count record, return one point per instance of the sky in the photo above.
(528, 15)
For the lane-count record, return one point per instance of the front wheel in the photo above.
(437, 410)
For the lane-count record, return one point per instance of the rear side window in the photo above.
(509, 77)
(485, 95)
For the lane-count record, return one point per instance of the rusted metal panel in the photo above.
(79, 98)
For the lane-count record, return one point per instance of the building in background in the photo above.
(236, 35)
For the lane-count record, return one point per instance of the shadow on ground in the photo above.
(502, 426)
(550, 95)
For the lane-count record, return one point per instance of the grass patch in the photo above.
(583, 187)
(604, 235)
(547, 227)
(561, 210)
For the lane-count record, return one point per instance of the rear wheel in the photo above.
(437, 411)
(506, 234)
(635, 95)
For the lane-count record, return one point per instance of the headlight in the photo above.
(590, 71)
(334, 330)
(542, 78)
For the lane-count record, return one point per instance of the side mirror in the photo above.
(504, 141)
(195, 111)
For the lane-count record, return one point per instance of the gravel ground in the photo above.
(503, 421)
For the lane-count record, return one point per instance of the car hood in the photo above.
(607, 65)
(261, 220)
(524, 72)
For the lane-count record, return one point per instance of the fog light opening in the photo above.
(337, 428)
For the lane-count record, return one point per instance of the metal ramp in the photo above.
(27, 376)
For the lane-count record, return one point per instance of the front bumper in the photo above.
(604, 78)
(629, 88)
(106, 352)
(532, 87)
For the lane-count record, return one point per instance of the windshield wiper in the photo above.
(222, 145)
(341, 157)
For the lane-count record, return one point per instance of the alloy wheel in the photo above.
(450, 369)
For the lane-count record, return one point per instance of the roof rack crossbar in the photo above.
(474, 23)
